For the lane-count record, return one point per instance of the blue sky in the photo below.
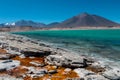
(48, 11)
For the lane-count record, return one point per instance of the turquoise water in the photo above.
(91, 34)
(104, 43)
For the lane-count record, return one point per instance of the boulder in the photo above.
(65, 62)
(96, 67)
(83, 72)
(13, 52)
(6, 56)
(95, 77)
(88, 75)
(52, 71)
(36, 53)
(3, 51)
(33, 72)
(112, 74)
(7, 77)
(8, 64)
(4, 45)
(14, 49)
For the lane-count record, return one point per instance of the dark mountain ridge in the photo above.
(23, 23)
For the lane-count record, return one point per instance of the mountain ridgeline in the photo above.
(86, 20)
(82, 20)
(29, 23)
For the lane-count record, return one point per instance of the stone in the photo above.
(95, 77)
(13, 52)
(83, 72)
(67, 70)
(14, 48)
(35, 63)
(31, 57)
(52, 71)
(88, 75)
(7, 61)
(36, 54)
(55, 67)
(33, 72)
(112, 74)
(8, 64)
(3, 51)
(22, 56)
(6, 56)
(96, 67)
(65, 62)
(74, 79)
(3, 45)
(7, 77)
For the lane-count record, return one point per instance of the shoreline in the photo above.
(81, 65)
(98, 57)
(84, 28)
(76, 28)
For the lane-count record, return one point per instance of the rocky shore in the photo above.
(22, 58)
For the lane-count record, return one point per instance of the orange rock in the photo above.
(2, 51)
(17, 72)
(26, 61)
(95, 69)
(60, 75)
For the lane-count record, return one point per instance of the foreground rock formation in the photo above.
(24, 59)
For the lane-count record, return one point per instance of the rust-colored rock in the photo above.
(2, 51)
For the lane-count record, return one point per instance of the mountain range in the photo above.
(82, 20)
(23, 23)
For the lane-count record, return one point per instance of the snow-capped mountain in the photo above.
(10, 24)
(23, 23)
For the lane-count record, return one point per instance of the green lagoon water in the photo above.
(97, 43)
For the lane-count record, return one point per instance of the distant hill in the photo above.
(86, 20)
(29, 23)
(23, 23)
(52, 24)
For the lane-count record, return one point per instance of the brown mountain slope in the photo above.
(84, 20)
